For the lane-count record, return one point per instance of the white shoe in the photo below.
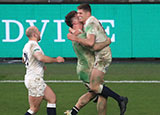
(67, 112)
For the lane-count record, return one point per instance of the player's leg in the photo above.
(36, 87)
(50, 97)
(96, 80)
(106, 91)
(103, 60)
(34, 103)
(83, 72)
(101, 105)
(85, 99)
(82, 101)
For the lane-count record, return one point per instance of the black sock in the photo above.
(51, 111)
(28, 113)
(74, 111)
(108, 92)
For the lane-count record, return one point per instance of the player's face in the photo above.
(82, 15)
(38, 35)
(76, 23)
(75, 20)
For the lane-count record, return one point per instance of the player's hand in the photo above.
(60, 59)
(71, 30)
(71, 37)
(108, 41)
(77, 32)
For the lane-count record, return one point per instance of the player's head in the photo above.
(71, 18)
(84, 12)
(33, 32)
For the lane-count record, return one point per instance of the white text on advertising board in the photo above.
(59, 23)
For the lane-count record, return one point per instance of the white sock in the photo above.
(51, 105)
(30, 111)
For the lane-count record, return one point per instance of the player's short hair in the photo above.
(85, 7)
(30, 32)
(68, 18)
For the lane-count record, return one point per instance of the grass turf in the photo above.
(143, 98)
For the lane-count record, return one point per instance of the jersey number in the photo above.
(26, 59)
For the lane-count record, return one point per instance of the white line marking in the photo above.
(78, 81)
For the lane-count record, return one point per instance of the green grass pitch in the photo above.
(143, 97)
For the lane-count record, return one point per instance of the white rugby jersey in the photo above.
(33, 66)
(93, 26)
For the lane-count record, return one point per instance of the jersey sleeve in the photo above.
(35, 48)
(91, 28)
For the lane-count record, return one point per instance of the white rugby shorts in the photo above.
(103, 59)
(35, 85)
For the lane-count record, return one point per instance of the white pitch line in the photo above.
(78, 81)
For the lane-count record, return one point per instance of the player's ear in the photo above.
(35, 35)
(88, 14)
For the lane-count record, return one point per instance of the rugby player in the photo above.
(85, 62)
(34, 60)
(95, 34)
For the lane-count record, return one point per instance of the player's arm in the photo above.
(89, 41)
(39, 56)
(90, 38)
(101, 45)
(75, 32)
(71, 30)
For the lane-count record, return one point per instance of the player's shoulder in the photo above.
(30, 44)
(92, 21)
